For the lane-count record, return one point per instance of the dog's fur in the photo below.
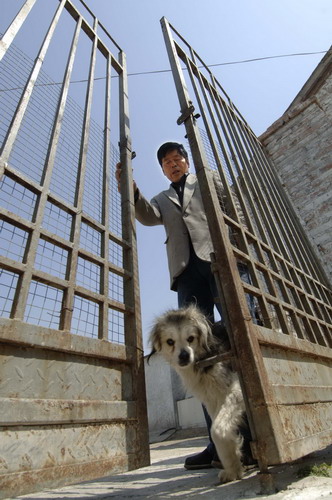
(183, 337)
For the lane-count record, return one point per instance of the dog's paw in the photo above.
(226, 476)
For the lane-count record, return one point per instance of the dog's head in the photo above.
(182, 336)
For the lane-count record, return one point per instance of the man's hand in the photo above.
(118, 172)
(118, 175)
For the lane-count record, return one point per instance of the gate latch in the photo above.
(185, 115)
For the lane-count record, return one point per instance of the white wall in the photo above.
(169, 405)
(160, 402)
(190, 413)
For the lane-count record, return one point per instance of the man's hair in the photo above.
(171, 146)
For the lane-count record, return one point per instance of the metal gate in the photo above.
(282, 350)
(72, 373)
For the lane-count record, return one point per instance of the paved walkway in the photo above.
(167, 478)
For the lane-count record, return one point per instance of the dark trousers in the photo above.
(196, 285)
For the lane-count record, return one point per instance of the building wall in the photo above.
(160, 400)
(190, 413)
(300, 145)
(170, 406)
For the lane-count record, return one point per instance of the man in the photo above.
(188, 242)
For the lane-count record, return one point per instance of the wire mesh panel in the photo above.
(278, 307)
(68, 264)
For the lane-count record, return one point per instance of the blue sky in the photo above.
(220, 31)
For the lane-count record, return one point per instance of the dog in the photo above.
(184, 338)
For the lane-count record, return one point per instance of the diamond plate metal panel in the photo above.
(27, 373)
(30, 448)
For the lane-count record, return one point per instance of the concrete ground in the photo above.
(167, 478)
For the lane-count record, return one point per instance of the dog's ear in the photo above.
(203, 326)
(155, 341)
(151, 353)
(205, 333)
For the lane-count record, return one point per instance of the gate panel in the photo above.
(279, 317)
(72, 373)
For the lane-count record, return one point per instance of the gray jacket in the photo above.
(181, 223)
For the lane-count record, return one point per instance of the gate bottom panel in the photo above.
(33, 458)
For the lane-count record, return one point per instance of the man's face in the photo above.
(174, 166)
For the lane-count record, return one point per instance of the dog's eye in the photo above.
(190, 339)
(170, 341)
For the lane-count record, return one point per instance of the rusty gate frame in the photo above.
(126, 417)
(283, 355)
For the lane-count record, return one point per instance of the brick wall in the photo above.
(300, 145)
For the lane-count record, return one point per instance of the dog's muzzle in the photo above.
(184, 358)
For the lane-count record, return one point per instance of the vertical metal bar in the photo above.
(15, 26)
(69, 297)
(133, 326)
(2, 168)
(106, 200)
(26, 95)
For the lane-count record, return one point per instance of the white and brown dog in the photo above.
(184, 338)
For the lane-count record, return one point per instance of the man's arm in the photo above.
(147, 213)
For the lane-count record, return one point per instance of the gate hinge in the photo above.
(186, 114)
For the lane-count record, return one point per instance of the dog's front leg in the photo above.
(228, 445)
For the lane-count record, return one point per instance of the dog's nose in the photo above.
(184, 357)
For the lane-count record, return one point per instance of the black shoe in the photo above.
(200, 461)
